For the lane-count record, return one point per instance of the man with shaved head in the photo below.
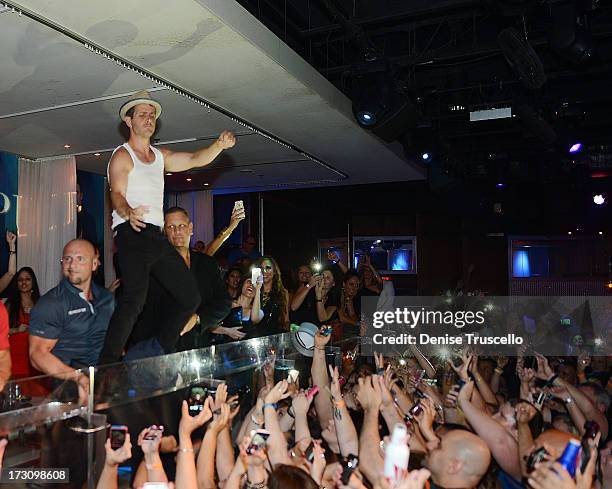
(460, 460)
(68, 324)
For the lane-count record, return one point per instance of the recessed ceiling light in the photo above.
(188, 179)
(600, 233)
(96, 154)
(206, 184)
(168, 173)
(66, 146)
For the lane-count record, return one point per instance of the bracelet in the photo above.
(153, 466)
(339, 404)
(499, 370)
(319, 300)
(12, 252)
(319, 348)
(270, 404)
(550, 381)
(254, 420)
(254, 485)
(188, 450)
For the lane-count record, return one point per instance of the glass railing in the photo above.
(62, 423)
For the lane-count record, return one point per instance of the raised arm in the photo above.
(370, 461)
(186, 476)
(237, 216)
(348, 440)
(108, 477)
(301, 293)
(5, 280)
(503, 447)
(208, 450)
(277, 444)
(583, 402)
(320, 378)
(180, 161)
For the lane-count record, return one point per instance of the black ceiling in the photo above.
(445, 58)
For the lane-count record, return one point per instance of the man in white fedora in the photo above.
(136, 178)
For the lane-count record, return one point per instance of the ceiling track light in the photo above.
(175, 88)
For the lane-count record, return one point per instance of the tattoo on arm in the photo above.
(337, 413)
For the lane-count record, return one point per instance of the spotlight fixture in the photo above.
(96, 154)
(206, 184)
(599, 199)
(366, 118)
(188, 179)
(426, 156)
(600, 233)
(168, 174)
(575, 148)
(67, 146)
(500, 185)
(569, 233)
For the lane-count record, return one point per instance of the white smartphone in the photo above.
(255, 273)
(238, 205)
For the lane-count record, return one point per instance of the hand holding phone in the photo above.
(118, 433)
(238, 206)
(255, 274)
(196, 400)
(313, 391)
(326, 330)
(258, 441)
(349, 464)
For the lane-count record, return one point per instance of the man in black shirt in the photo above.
(214, 306)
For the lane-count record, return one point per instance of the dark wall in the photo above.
(455, 228)
(294, 220)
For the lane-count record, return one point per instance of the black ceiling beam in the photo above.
(458, 53)
(432, 8)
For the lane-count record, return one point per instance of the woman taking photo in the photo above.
(273, 299)
(326, 297)
(241, 318)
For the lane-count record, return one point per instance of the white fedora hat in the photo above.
(141, 97)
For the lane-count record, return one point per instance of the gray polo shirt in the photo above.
(64, 314)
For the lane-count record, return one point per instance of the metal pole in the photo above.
(261, 223)
(91, 437)
(349, 247)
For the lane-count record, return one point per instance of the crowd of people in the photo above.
(472, 422)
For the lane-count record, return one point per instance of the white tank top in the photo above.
(145, 187)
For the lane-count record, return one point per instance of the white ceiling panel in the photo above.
(212, 49)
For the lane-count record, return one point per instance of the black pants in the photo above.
(142, 254)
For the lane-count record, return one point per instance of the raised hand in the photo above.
(368, 396)
(525, 412)
(544, 371)
(151, 445)
(462, 370)
(121, 454)
(277, 393)
(11, 239)
(221, 420)
(188, 423)
(226, 140)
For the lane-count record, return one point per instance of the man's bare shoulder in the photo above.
(121, 160)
